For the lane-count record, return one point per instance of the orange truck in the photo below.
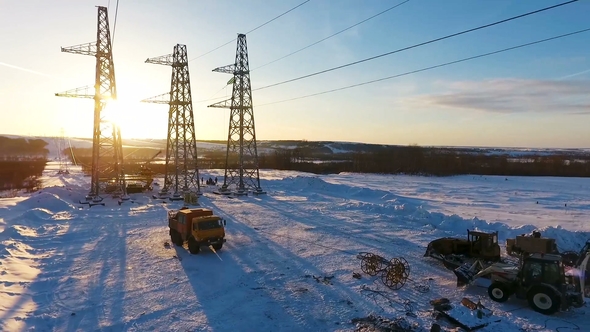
(198, 227)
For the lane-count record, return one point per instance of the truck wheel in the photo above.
(193, 246)
(177, 238)
(218, 246)
(498, 292)
(543, 299)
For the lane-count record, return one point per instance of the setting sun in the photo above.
(134, 120)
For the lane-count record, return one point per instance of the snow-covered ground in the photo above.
(289, 259)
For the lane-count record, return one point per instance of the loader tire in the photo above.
(193, 246)
(544, 299)
(498, 292)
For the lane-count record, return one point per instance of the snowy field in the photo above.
(289, 259)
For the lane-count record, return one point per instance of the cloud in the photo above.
(513, 96)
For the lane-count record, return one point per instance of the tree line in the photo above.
(412, 160)
(30, 148)
(415, 160)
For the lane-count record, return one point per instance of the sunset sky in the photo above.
(536, 96)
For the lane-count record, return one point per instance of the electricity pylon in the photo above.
(63, 162)
(107, 151)
(241, 160)
(182, 172)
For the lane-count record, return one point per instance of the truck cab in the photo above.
(199, 227)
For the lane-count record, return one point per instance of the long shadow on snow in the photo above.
(357, 232)
(425, 271)
(288, 262)
(267, 286)
(73, 291)
(41, 290)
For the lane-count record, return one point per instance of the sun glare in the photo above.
(120, 112)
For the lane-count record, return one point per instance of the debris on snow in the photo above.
(441, 304)
(324, 280)
(469, 315)
(374, 294)
(374, 323)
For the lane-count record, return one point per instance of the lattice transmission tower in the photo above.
(182, 172)
(61, 145)
(107, 174)
(241, 161)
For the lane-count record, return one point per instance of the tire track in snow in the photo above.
(421, 267)
(331, 225)
(344, 299)
(283, 270)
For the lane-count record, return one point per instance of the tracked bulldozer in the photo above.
(454, 252)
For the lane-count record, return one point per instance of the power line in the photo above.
(417, 45)
(115, 23)
(258, 27)
(337, 33)
(431, 67)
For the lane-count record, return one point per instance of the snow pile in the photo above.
(47, 201)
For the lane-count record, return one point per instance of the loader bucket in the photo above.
(464, 274)
(468, 272)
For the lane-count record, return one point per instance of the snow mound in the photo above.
(37, 214)
(457, 226)
(304, 183)
(315, 184)
(367, 193)
(63, 215)
(17, 232)
(14, 249)
(47, 201)
(565, 239)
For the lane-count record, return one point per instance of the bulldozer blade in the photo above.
(428, 251)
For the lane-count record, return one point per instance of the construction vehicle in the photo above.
(528, 244)
(198, 227)
(142, 180)
(454, 252)
(541, 279)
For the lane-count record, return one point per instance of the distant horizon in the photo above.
(329, 141)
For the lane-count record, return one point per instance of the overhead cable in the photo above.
(263, 24)
(258, 27)
(417, 45)
(332, 35)
(115, 23)
(431, 67)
